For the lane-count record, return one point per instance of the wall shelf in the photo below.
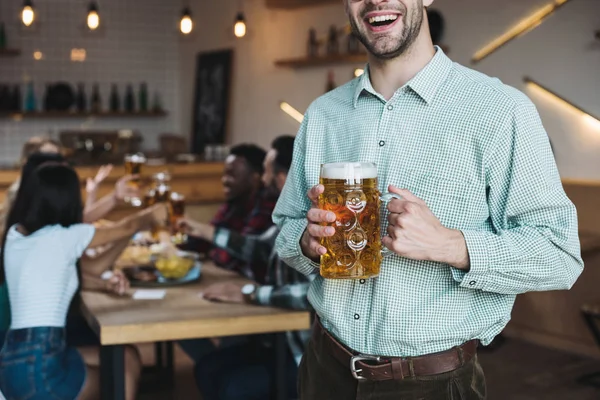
(6, 52)
(72, 114)
(319, 61)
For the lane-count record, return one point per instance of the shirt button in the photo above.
(356, 316)
(382, 143)
(363, 281)
(390, 107)
(472, 283)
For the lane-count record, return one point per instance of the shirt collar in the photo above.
(426, 83)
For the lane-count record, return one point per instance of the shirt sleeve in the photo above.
(76, 238)
(255, 249)
(292, 296)
(290, 212)
(534, 244)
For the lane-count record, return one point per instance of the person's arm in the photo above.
(92, 185)
(104, 261)
(96, 210)
(290, 212)
(93, 268)
(291, 296)
(258, 222)
(246, 248)
(126, 227)
(535, 242)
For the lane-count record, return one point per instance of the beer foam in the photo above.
(349, 171)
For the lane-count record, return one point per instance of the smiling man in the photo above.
(482, 216)
(247, 210)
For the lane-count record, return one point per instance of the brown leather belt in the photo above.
(376, 368)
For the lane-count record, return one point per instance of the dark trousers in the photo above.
(323, 377)
(243, 372)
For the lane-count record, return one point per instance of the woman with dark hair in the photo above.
(33, 161)
(41, 249)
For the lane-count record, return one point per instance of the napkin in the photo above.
(148, 294)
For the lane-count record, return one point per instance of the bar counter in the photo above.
(200, 183)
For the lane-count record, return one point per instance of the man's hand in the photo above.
(195, 228)
(123, 189)
(310, 241)
(226, 292)
(415, 233)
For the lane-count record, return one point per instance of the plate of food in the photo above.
(159, 265)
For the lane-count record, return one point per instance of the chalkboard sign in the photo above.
(211, 99)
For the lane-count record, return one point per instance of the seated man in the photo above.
(246, 371)
(247, 209)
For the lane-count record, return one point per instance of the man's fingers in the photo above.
(317, 215)
(316, 247)
(314, 192)
(406, 194)
(318, 231)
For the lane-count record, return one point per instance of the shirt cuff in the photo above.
(221, 237)
(263, 295)
(479, 261)
(289, 249)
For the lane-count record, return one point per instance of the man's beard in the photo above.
(411, 26)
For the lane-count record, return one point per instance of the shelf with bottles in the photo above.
(17, 116)
(332, 52)
(61, 101)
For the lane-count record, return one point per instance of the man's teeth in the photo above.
(382, 18)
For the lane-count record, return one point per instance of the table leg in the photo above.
(280, 365)
(112, 373)
(169, 369)
(158, 353)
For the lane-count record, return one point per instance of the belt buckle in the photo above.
(357, 358)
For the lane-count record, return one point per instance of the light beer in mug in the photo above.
(133, 166)
(351, 192)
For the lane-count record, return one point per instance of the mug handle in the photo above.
(385, 198)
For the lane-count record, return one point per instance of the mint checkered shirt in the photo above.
(476, 151)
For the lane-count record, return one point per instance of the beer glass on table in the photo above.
(351, 192)
(133, 166)
(177, 211)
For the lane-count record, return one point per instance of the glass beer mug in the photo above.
(355, 251)
(133, 166)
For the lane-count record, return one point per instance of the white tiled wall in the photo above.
(139, 42)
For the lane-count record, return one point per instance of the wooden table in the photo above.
(182, 314)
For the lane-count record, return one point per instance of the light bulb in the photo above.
(93, 19)
(27, 15)
(239, 29)
(186, 25)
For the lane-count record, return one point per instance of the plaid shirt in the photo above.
(284, 286)
(252, 217)
(476, 151)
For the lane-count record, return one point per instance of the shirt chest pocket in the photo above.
(455, 201)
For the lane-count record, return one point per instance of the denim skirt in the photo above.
(36, 364)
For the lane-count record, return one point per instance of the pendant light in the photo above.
(93, 19)
(186, 24)
(27, 15)
(239, 28)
